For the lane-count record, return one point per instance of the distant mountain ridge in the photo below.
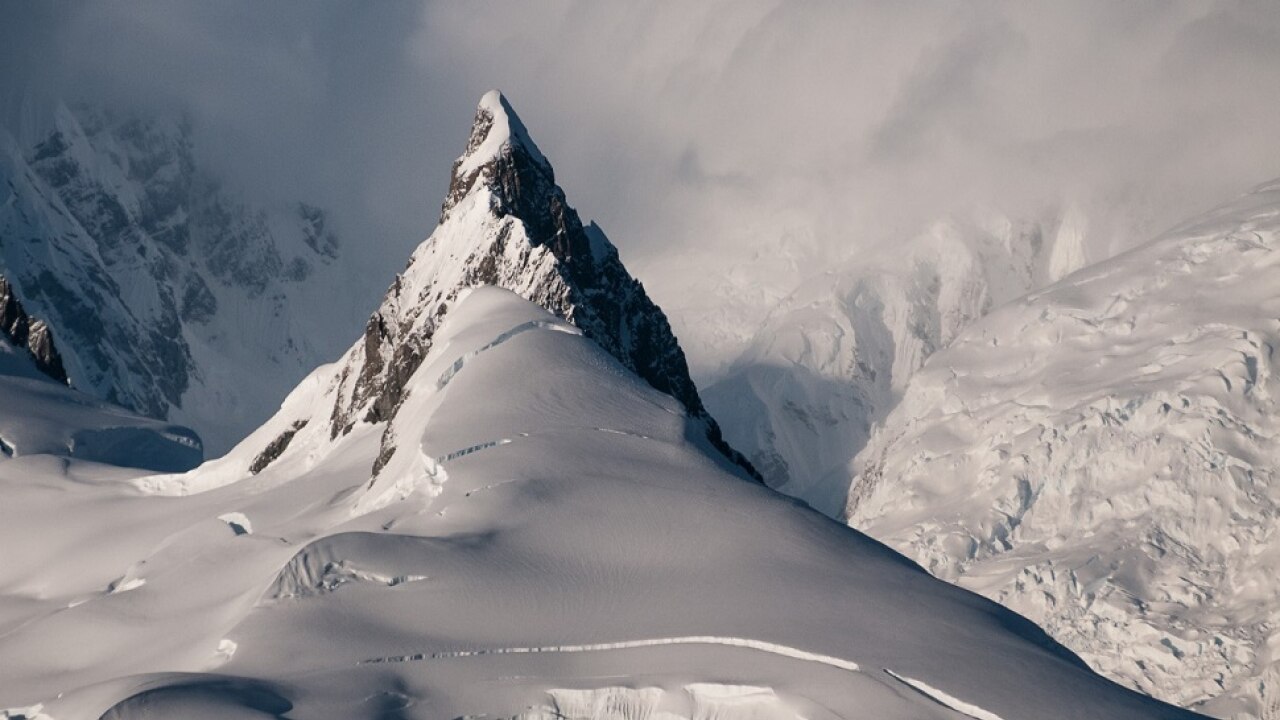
(169, 293)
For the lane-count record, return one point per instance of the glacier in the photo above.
(1101, 455)
(834, 357)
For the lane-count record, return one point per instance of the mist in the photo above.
(696, 132)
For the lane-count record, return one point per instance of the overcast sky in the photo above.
(698, 124)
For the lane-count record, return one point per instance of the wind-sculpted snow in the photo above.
(698, 701)
(607, 544)
(1102, 456)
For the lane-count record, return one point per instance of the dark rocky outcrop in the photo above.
(275, 448)
(29, 334)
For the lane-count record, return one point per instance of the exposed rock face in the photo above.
(276, 447)
(169, 293)
(29, 334)
(505, 222)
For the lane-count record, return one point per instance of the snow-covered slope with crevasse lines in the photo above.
(1102, 456)
(835, 356)
(587, 556)
(551, 536)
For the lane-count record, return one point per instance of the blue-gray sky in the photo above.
(698, 124)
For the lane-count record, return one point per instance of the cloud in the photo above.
(696, 129)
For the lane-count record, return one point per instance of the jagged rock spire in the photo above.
(503, 160)
(505, 222)
(500, 155)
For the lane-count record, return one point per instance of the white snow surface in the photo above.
(606, 524)
(39, 416)
(1102, 455)
(835, 356)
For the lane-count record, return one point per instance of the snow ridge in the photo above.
(524, 327)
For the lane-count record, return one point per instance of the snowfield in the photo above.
(532, 518)
(1101, 456)
(541, 573)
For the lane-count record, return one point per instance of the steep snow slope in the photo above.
(169, 294)
(40, 415)
(1102, 456)
(834, 357)
(552, 538)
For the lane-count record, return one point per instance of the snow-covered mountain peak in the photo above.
(497, 131)
(504, 222)
(503, 166)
